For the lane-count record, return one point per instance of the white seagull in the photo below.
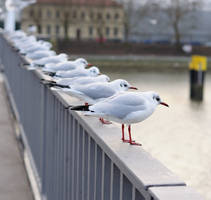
(92, 71)
(40, 54)
(65, 82)
(51, 59)
(24, 42)
(95, 92)
(36, 46)
(125, 108)
(17, 35)
(67, 65)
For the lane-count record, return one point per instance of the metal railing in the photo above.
(74, 157)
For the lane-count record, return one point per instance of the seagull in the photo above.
(40, 54)
(67, 65)
(17, 35)
(125, 108)
(24, 42)
(92, 71)
(52, 59)
(65, 82)
(95, 92)
(36, 46)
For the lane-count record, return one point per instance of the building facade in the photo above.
(75, 19)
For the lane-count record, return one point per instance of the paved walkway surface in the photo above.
(14, 184)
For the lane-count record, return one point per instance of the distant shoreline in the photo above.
(139, 63)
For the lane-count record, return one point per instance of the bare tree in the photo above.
(176, 11)
(134, 12)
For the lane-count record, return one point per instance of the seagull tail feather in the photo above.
(81, 108)
(49, 83)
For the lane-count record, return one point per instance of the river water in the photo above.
(179, 136)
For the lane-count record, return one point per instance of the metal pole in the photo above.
(10, 20)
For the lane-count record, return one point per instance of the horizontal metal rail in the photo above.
(74, 157)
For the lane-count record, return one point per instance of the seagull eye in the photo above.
(125, 85)
(157, 98)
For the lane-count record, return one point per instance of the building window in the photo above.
(116, 16)
(49, 13)
(82, 15)
(108, 16)
(48, 29)
(116, 31)
(99, 15)
(39, 29)
(57, 14)
(91, 15)
(78, 34)
(107, 31)
(40, 14)
(57, 30)
(31, 13)
(66, 15)
(90, 30)
(74, 14)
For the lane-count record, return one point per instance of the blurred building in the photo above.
(75, 19)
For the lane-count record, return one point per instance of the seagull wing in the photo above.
(95, 91)
(119, 106)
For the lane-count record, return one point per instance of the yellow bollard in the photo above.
(197, 67)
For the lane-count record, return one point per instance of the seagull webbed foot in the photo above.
(105, 121)
(134, 143)
(127, 141)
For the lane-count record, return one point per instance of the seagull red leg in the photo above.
(130, 138)
(123, 135)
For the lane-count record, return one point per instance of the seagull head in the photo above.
(94, 71)
(122, 85)
(103, 78)
(44, 43)
(83, 62)
(63, 56)
(157, 100)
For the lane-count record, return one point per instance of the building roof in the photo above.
(81, 2)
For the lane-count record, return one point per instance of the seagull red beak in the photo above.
(164, 104)
(133, 88)
(89, 65)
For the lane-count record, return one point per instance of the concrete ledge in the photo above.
(174, 193)
(134, 161)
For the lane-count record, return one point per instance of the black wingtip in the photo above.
(47, 72)
(51, 74)
(48, 83)
(80, 108)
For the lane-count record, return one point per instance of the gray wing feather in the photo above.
(96, 91)
(120, 106)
